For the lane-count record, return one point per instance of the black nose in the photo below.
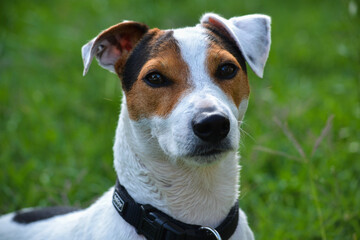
(211, 126)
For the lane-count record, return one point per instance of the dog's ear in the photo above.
(251, 34)
(113, 44)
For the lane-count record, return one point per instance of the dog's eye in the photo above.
(226, 71)
(156, 79)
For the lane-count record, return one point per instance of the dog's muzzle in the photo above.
(211, 126)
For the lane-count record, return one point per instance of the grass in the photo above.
(301, 151)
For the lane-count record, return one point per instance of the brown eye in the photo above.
(226, 71)
(156, 79)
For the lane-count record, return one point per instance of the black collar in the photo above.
(156, 225)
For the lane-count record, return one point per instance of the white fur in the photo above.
(242, 108)
(107, 60)
(87, 53)
(151, 159)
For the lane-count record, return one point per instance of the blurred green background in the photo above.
(301, 139)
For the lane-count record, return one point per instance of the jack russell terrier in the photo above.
(185, 91)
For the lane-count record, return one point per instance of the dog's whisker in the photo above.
(247, 134)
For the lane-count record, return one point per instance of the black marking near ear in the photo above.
(139, 56)
(41, 214)
(147, 48)
(227, 42)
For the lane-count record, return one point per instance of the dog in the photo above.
(185, 93)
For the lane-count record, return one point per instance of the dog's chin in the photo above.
(203, 160)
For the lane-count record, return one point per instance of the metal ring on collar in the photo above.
(213, 231)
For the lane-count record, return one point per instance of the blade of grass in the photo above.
(291, 137)
(324, 132)
(316, 201)
(276, 152)
(314, 192)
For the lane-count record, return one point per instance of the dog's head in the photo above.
(187, 87)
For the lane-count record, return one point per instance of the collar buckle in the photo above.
(212, 231)
(155, 226)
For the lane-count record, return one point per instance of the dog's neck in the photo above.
(200, 195)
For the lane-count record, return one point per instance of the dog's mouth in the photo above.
(206, 152)
(209, 150)
(200, 155)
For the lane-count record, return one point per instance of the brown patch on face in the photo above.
(144, 101)
(236, 88)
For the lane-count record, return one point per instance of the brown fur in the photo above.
(145, 101)
(237, 88)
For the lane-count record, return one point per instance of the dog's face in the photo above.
(187, 87)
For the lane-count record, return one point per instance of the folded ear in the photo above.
(113, 44)
(251, 34)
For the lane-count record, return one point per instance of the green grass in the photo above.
(301, 151)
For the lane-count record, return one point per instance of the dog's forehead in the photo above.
(191, 37)
(192, 42)
(193, 45)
